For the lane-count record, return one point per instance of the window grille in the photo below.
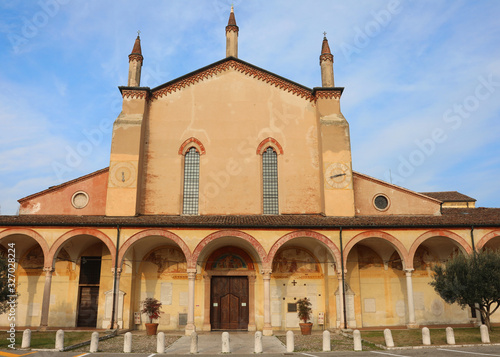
(270, 181)
(191, 181)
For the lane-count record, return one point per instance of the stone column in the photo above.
(251, 303)
(44, 321)
(116, 295)
(266, 275)
(206, 315)
(341, 301)
(190, 327)
(411, 305)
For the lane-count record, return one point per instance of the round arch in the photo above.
(153, 232)
(301, 234)
(32, 234)
(398, 246)
(56, 247)
(486, 238)
(436, 233)
(226, 233)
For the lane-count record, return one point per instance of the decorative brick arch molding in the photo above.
(301, 234)
(32, 234)
(226, 233)
(482, 242)
(398, 246)
(190, 143)
(269, 142)
(153, 232)
(58, 244)
(462, 243)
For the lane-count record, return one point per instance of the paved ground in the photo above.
(240, 342)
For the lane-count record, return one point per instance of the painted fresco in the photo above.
(168, 260)
(33, 259)
(295, 260)
(229, 261)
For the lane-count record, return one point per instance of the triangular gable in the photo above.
(247, 69)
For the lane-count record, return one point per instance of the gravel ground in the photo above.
(141, 343)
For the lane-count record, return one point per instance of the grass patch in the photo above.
(314, 343)
(438, 336)
(46, 339)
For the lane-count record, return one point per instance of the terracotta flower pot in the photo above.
(151, 329)
(305, 328)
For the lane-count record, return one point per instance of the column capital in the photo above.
(191, 273)
(266, 273)
(409, 272)
(116, 270)
(48, 269)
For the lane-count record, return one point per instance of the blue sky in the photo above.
(421, 78)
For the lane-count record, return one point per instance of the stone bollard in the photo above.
(485, 335)
(450, 336)
(327, 343)
(26, 339)
(127, 342)
(194, 343)
(226, 348)
(60, 340)
(290, 345)
(258, 342)
(357, 340)
(160, 342)
(389, 342)
(94, 342)
(426, 336)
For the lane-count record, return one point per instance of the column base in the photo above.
(252, 327)
(267, 331)
(42, 328)
(190, 328)
(412, 325)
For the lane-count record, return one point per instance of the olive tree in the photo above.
(471, 281)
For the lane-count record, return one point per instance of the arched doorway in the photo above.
(230, 271)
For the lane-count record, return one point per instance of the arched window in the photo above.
(270, 181)
(191, 181)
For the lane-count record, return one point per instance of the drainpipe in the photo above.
(472, 238)
(343, 277)
(114, 277)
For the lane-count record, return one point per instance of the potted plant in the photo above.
(304, 312)
(151, 307)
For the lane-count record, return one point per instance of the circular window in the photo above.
(381, 202)
(80, 199)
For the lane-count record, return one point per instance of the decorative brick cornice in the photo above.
(234, 28)
(240, 67)
(135, 57)
(326, 57)
(135, 94)
(328, 94)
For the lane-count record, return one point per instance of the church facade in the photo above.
(229, 196)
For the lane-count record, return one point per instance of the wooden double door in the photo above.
(229, 303)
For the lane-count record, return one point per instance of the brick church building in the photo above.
(229, 196)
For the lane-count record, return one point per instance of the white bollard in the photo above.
(160, 342)
(26, 339)
(290, 345)
(194, 343)
(127, 342)
(485, 335)
(60, 340)
(258, 342)
(357, 340)
(94, 342)
(426, 336)
(226, 348)
(450, 336)
(327, 343)
(389, 342)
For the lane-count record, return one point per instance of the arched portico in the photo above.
(490, 240)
